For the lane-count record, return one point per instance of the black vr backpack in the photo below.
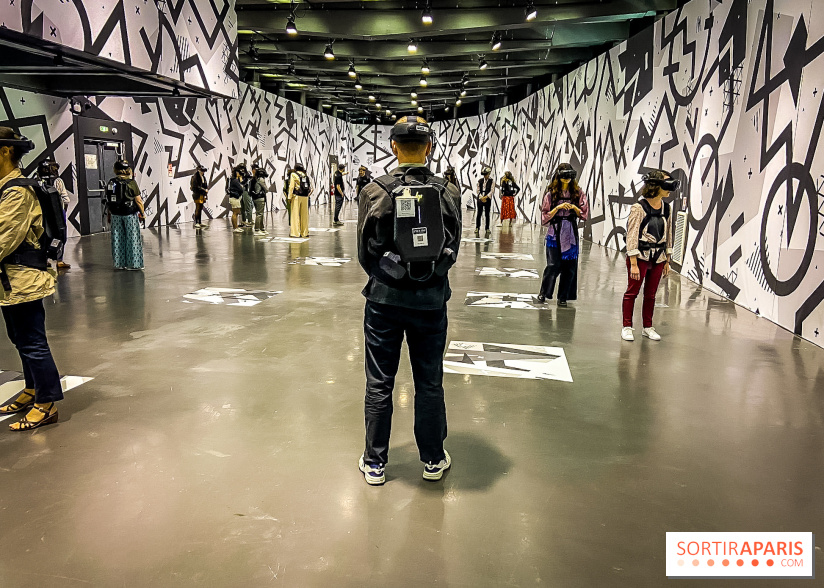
(420, 234)
(304, 187)
(54, 234)
(655, 222)
(118, 199)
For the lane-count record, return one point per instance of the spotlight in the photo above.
(412, 47)
(531, 11)
(482, 64)
(425, 68)
(426, 15)
(414, 94)
(328, 53)
(458, 102)
(420, 108)
(394, 116)
(378, 105)
(414, 103)
(463, 92)
(358, 86)
(371, 97)
(291, 29)
(423, 82)
(388, 112)
(446, 107)
(352, 72)
(496, 41)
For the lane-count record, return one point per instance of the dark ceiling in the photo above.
(374, 37)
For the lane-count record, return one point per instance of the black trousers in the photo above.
(483, 208)
(26, 326)
(384, 327)
(567, 269)
(338, 206)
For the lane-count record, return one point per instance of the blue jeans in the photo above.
(26, 326)
(384, 327)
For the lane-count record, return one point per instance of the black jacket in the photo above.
(376, 236)
(236, 188)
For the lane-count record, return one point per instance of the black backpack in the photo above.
(305, 187)
(54, 234)
(118, 199)
(655, 223)
(256, 191)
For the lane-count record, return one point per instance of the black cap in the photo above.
(411, 130)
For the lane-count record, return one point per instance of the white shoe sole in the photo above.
(439, 475)
(658, 338)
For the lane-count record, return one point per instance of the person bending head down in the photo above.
(411, 140)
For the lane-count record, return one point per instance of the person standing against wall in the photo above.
(287, 201)
(258, 191)
(248, 206)
(649, 249)
(563, 206)
(200, 190)
(509, 190)
(126, 208)
(300, 190)
(49, 173)
(234, 189)
(362, 181)
(485, 188)
(340, 193)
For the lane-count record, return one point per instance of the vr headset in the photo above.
(121, 165)
(24, 144)
(260, 173)
(668, 184)
(411, 131)
(567, 174)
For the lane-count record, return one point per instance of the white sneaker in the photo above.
(626, 334)
(651, 333)
(373, 474)
(434, 471)
(238, 230)
(258, 233)
(264, 232)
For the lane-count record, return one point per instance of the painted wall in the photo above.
(193, 41)
(730, 96)
(183, 132)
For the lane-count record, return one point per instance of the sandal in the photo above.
(49, 417)
(12, 406)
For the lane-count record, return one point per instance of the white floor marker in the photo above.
(503, 300)
(507, 272)
(518, 256)
(230, 296)
(529, 362)
(13, 384)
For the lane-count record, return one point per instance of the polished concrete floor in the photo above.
(217, 445)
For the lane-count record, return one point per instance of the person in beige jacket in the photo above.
(21, 299)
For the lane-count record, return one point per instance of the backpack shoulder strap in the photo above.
(20, 183)
(666, 210)
(388, 183)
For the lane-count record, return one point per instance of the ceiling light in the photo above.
(425, 68)
(458, 102)
(414, 94)
(328, 53)
(378, 105)
(482, 64)
(531, 11)
(412, 47)
(388, 112)
(463, 92)
(496, 41)
(352, 72)
(394, 116)
(371, 97)
(423, 82)
(414, 103)
(358, 86)
(420, 108)
(426, 15)
(291, 29)
(253, 51)
(290, 71)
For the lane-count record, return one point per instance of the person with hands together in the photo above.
(563, 206)
(649, 249)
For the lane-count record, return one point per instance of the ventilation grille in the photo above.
(679, 239)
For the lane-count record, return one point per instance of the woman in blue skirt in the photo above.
(124, 202)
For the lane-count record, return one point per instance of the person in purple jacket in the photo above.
(564, 205)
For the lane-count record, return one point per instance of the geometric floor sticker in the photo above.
(230, 296)
(530, 362)
(324, 261)
(12, 383)
(503, 300)
(286, 240)
(475, 240)
(507, 272)
(322, 230)
(518, 256)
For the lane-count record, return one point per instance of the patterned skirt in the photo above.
(127, 244)
(507, 207)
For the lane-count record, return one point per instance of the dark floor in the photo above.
(217, 445)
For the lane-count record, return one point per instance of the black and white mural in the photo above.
(170, 136)
(727, 95)
(192, 41)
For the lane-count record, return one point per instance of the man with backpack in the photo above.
(48, 172)
(339, 194)
(200, 190)
(485, 188)
(409, 234)
(300, 190)
(125, 204)
(257, 190)
(27, 210)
